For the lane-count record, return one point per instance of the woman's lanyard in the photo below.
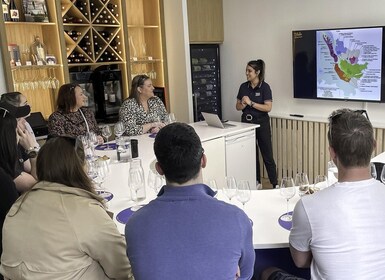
(88, 128)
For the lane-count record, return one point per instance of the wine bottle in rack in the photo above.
(14, 12)
(5, 9)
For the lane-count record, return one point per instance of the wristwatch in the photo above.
(251, 104)
(32, 152)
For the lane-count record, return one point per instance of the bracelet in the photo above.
(251, 104)
(32, 152)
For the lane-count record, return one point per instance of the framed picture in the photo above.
(51, 59)
(35, 11)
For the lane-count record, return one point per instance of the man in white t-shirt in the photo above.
(339, 232)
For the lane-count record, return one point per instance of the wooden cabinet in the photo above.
(39, 83)
(145, 40)
(205, 21)
(84, 35)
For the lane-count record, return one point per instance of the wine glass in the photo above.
(230, 188)
(136, 183)
(106, 132)
(302, 182)
(101, 168)
(320, 182)
(243, 192)
(373, 170)
(154, 180)
(119, 129)
(383, 174)
(287, 190)
(171, 118)
(93, 140)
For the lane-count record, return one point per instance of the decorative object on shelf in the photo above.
(14, 54)
(5, 8)
(51, 59)
(14, 11)
(35, 11)
(38, 51)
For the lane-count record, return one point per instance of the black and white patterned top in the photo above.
(134, 116)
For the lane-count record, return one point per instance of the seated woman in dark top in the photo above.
(71, 117)
(8, 159)
(25, 146)
(142, 112)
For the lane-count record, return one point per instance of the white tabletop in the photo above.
(379, 158)
(264, 208)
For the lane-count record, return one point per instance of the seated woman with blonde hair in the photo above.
(66, 231)
(142, 112)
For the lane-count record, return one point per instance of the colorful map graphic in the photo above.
(349, 63)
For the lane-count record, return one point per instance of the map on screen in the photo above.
(349, 63)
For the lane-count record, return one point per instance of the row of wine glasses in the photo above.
(302, 182)
(232, 188)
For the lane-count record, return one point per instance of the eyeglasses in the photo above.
(5, 111)
(336, 114)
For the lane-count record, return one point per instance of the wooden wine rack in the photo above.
(93, 32)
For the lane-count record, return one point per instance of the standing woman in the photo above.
(142, 112)
(71, 117)
(255, 100)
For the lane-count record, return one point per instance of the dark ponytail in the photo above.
(258, 65)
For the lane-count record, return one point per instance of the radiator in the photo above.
(302, 146)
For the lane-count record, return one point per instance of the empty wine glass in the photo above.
(230, 188)
(93, 140)
(136, 183)
(302, 182)
(101, 168)
(320, 182)
(243, 192)
(154, 180)
(118, 129)
(287, 190)
(383, 174)
(106, 132)
(373, 171)
(171, 118)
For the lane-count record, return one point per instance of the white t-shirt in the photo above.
(344, 228)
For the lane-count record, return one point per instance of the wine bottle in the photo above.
(6, 16)
(13, 11)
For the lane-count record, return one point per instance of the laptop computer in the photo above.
(213, 120)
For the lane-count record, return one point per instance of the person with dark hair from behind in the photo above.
(72, 117)
(338, 231)
(8, 159)
(255, 100)
(60, 228)
(186, 233)
(25, 143)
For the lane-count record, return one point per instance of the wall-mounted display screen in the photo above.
(340, 64)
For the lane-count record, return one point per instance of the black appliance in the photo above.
(206, 83)
(104, 91)
(38, 124)
(108, 94)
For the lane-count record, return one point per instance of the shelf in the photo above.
(29, 23)
(145, 61)
(142, 26)
(26, 67)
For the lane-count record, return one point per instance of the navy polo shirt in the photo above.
(186, 233)
(259, 94)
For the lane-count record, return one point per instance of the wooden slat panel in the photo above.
(302, 146)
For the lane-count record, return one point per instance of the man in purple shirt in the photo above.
(186, 233)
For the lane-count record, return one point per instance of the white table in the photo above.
(379, 158)
(264, 207)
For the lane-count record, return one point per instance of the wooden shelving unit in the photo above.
(26, 78)
(84, 35)
(144, 39)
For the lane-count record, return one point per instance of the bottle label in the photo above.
(5, 8)
(14, 14)
(112, 98)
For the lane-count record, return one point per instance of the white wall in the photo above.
(3, 87)
(262, 29)
(178, 62)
